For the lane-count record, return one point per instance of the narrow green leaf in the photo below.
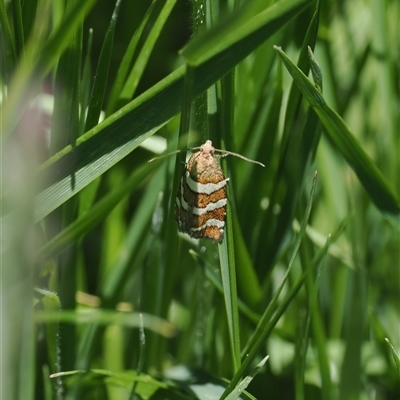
(394, 354)
(63, 33)
(107, 317)
(266, 323)
(41, 56)
(126, 62)
(215, 279)
(85, 84)
(51, 303)
(137, 71)
(101, 76)
(9, 41)
(249, 285)
(240, 33)
(28, 16)
(138, 228)
(367, 172)
(95, 215)
(246, 381)
(227, 247)
(65, 118)
(18, 27)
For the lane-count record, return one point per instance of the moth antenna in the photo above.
(165, 155)
(227, 153)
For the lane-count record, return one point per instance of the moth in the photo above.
(200, 206)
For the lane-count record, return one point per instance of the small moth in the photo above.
(200, 206)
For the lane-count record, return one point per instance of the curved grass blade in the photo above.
(367, 172)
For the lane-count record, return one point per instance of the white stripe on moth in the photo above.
(200, 211)
(210, 222)
(204, 188)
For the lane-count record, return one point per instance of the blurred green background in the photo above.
(102, 298)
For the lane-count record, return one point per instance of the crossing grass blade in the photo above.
(348, 146)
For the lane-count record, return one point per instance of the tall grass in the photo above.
(101, 298)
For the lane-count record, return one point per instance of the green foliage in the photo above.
(101, 298)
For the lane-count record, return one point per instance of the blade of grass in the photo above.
(249, 285)
(101, 76)
(340, 135)
(132, 82)
(239, 32)
(246, 381)
(95, 215)
(41, 56)
(18, 27)
(85, 84)
(215, 279)
(267, 323)
(28, 16)
(126, 62)
(107, 317)
(51, 303)
(394, 354)
(289, 174)
(9, 39)
(59, 39)
(226, 248)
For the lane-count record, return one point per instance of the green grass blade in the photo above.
(215, 279)
(303, 64)
(40, 56)
(137, 71)
(227, 248)
(101, 76)
(350, 380)
(85, 84)
(249, 285)
(237, 36)
(303, 337)
(228, 275)
(65, 118)
(60, 38)
(107, 317)
(246, 381)
(137, 229)
(95, 215)
(50, 302)
(367, 172)
(394, 354)
(8, 41)
(266, 323)
(18, 27)
(123, 69)
(28, 16)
